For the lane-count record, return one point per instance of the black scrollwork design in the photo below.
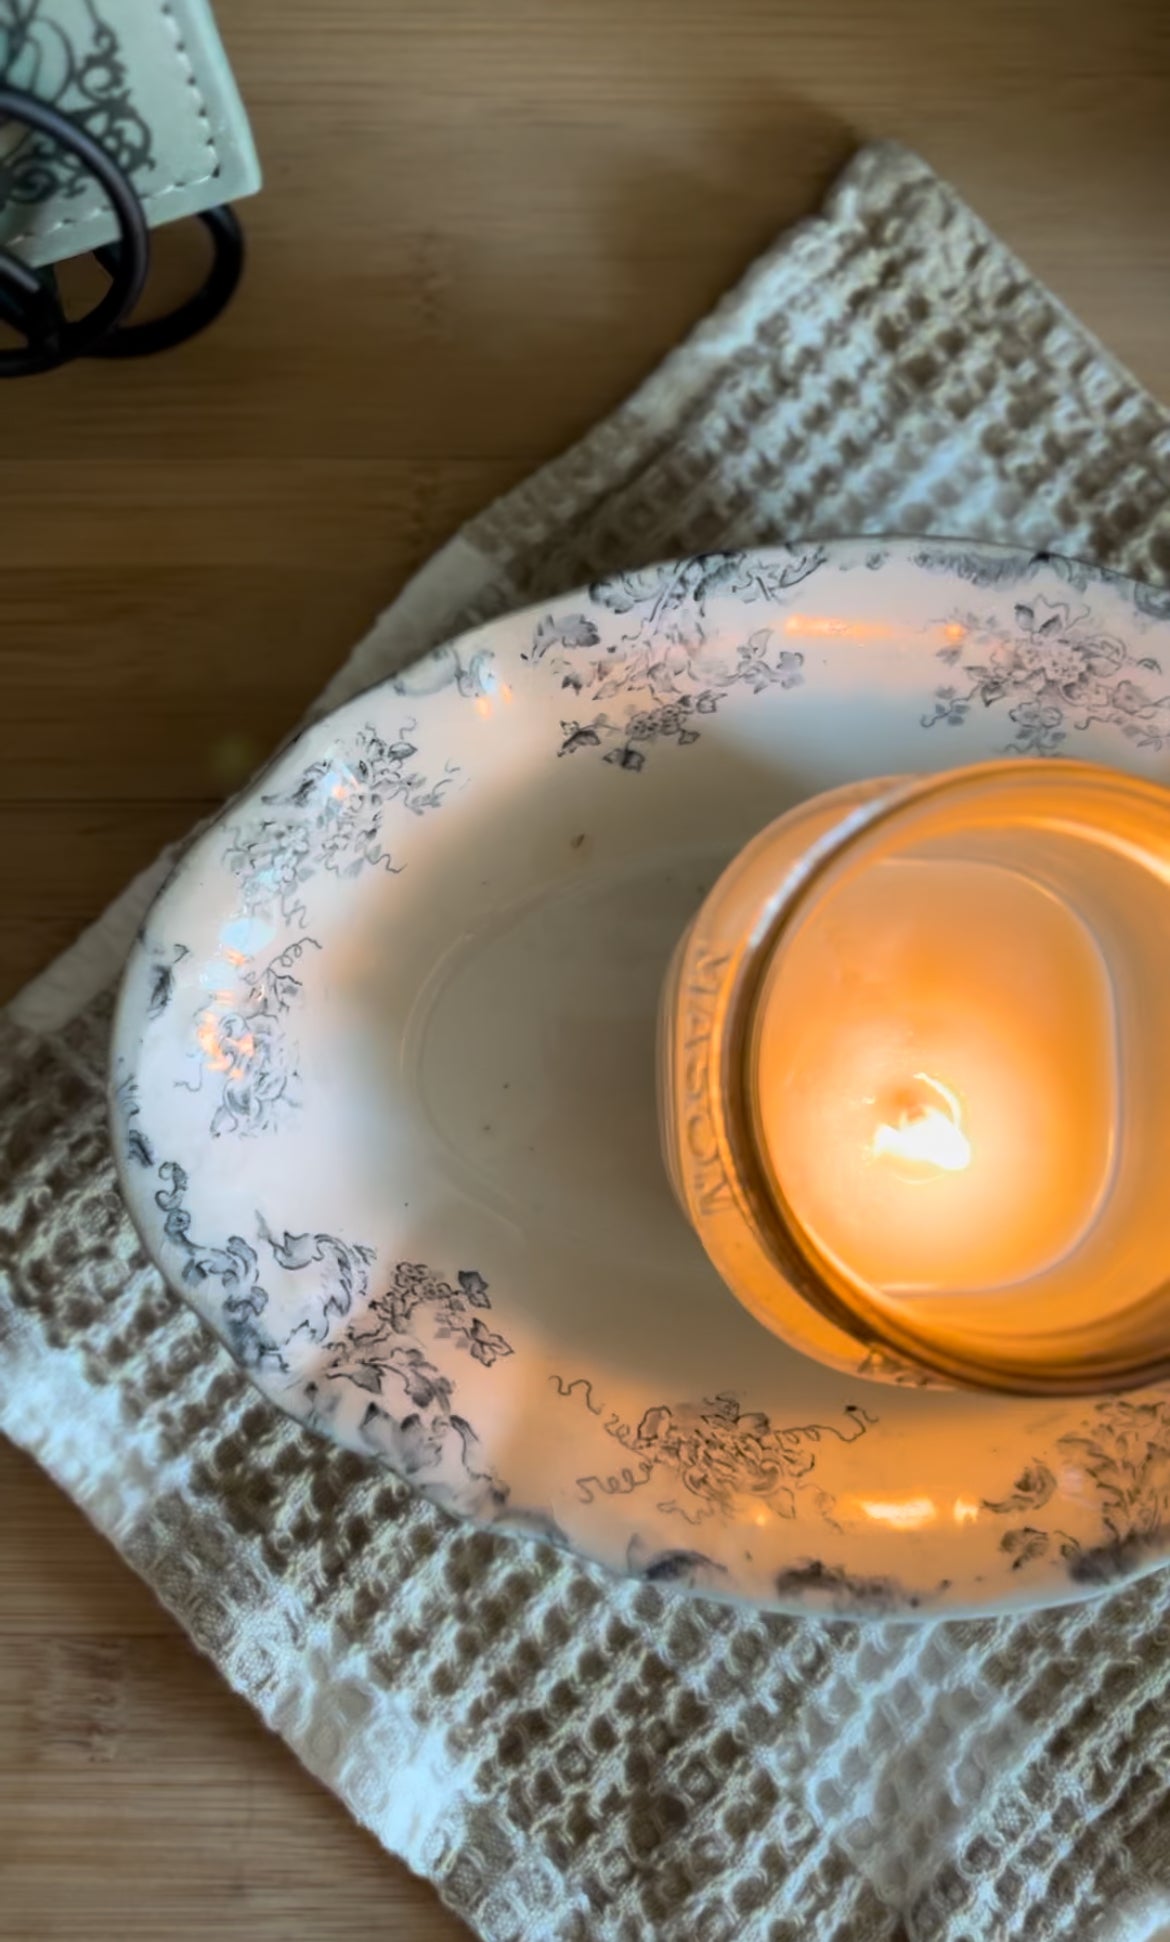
(77, 67)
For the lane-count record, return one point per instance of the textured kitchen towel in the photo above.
(568, 1758)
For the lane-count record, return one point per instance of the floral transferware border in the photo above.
(638, 663)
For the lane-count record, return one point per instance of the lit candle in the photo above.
(936, 1077)
(915, 1077)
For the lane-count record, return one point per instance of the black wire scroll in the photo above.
(28, 298)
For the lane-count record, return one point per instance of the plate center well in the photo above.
(532, 1050)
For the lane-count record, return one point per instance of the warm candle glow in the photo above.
(936, 1057)
(915, 1071)
(926, 1135)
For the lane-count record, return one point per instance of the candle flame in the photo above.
(927, 1134)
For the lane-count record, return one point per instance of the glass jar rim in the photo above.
(869, 832)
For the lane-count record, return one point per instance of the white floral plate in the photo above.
(384, 1092)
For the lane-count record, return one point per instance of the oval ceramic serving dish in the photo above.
(383, 1075)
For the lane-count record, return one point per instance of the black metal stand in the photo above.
(28, 298)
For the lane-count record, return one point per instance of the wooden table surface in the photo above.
(482, 224)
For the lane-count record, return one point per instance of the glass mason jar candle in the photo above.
(914, 1077)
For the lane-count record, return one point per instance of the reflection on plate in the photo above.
(383, 1087)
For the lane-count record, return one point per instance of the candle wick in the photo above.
(925, 1133)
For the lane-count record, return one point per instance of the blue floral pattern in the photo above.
(1053, 671)
(373, 1344)
(330, 819)
(242, 1041)
(716, 1452)
(656, 682)
(1124, 1450)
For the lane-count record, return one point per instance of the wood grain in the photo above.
(481, 227)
